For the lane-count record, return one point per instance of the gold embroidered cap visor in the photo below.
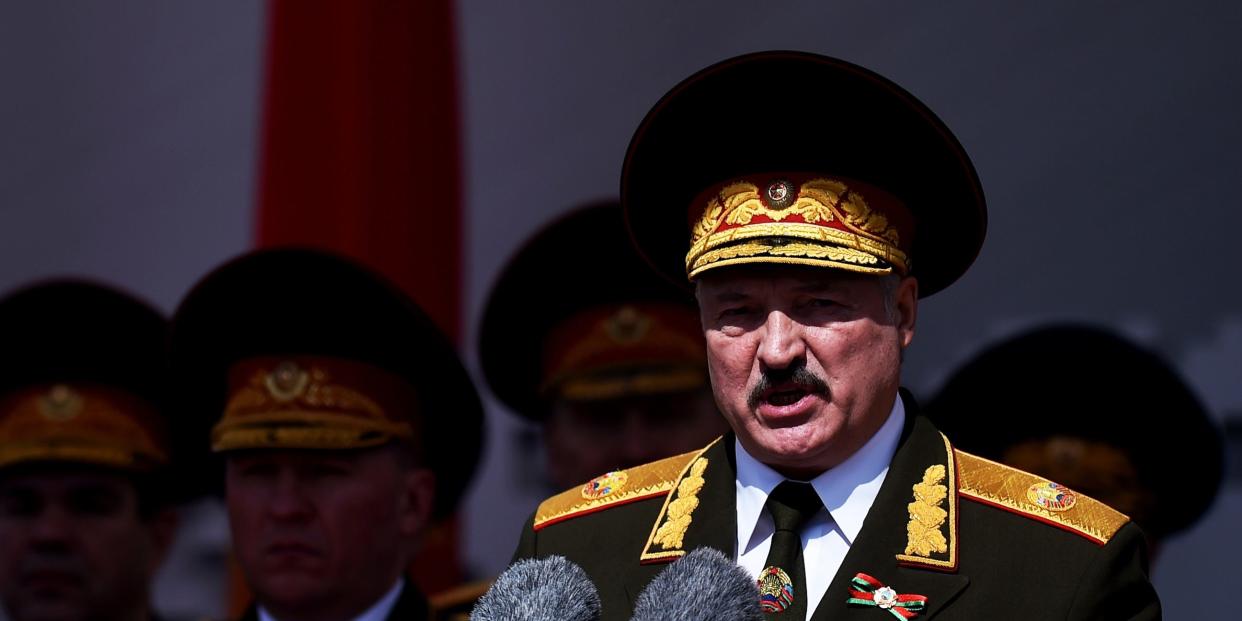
(91, 424)
(800, 219)
(314, 402)
(624, 350)
(795, 158)
(83, 380)
(579, 299)
(290, 348)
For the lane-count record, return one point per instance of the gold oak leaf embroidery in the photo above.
(926, 516)
(672, 532)
(848, 255)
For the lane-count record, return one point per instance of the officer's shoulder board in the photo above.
(1034, 497)
(456, 603)
(612, 489)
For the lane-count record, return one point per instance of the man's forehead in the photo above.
(743, 280)
(301, 456)
(58, 476)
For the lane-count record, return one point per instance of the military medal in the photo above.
(776, 590)
(867, 591)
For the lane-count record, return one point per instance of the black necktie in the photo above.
(782, 583)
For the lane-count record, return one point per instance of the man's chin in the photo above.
(797, 447)
(292, 589)
(46, 608)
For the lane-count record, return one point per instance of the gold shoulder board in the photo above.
(455, 604)
(613, 488)
(1035, 497)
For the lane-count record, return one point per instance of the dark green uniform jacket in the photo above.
(410, 606)
(980, 540)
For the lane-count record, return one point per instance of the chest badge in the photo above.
(776, 590)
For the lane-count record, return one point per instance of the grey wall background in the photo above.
(127, 150)
(1105, 134)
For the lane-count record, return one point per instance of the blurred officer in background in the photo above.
(1092, 411)
(583, 337)
(86, 473)
(346, 422)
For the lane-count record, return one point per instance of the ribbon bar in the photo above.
(867, 591)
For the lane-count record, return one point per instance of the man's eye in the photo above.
(735, 311)
(820, 303)
(328, 469)
(256, 470)
(20, 504)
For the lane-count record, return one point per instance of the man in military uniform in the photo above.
(1081, 434)
(86, 485)
(822, 202)
(346, 422)
(621, 376)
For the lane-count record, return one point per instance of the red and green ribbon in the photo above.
(867, 591)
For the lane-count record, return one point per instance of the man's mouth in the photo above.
(787, 399)
(784, 388)
(41, 580)
(292, 549)
(787, 396)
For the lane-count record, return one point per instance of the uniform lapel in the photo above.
(250, 614)
(410, 605)
(712, 522)
(715, 521)
(885, 537)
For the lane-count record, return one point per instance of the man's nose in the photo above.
(639, 440)
(782, 344)
(290, 499)
(52, 527)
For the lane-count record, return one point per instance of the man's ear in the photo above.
(907, 300)
(418, 496)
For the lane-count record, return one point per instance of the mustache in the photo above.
(51, 563)
(286, 536)
(798, 375)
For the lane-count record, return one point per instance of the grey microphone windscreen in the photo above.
(703, 584)
(544, 589)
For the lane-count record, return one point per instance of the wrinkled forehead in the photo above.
(54, 476)
(297, 458)
(748, 280)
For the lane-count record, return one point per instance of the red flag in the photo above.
(361, 156)
(360, 145)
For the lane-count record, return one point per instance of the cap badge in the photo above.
(780, 194)
(60, 404)
(604, 485)
(1051, 496)
(627, 325)
(287, 381)
(776, 590)
(867, 591)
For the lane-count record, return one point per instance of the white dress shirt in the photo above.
(377, 612)
(847, 491)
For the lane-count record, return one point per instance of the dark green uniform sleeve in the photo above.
(526, 542)
(1116, 585)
